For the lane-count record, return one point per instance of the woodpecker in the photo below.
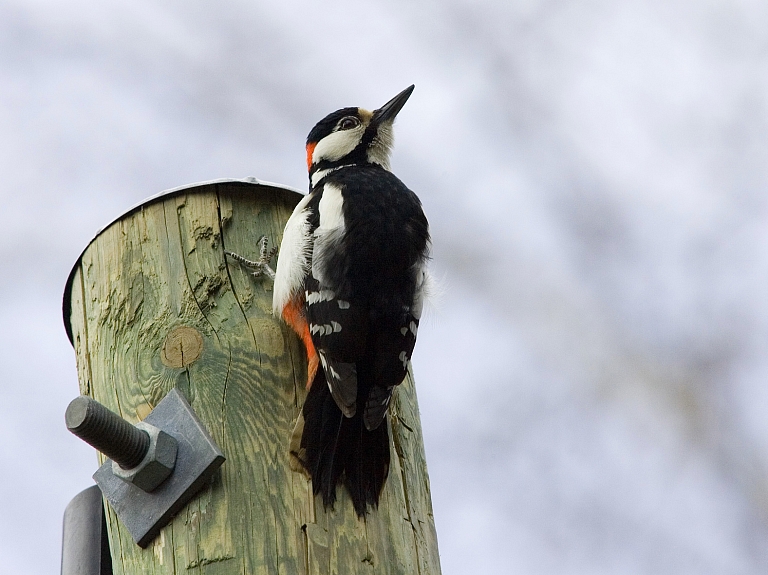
(351, 279)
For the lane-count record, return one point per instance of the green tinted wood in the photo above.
(162, 268)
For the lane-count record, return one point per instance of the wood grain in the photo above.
(155, 283)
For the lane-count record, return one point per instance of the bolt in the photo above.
(157, 464)
(107, 432)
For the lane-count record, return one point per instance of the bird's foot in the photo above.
(261, 266)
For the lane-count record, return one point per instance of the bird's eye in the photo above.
(348, 123)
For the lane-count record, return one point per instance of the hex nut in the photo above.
(157, 464)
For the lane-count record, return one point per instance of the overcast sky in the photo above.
(594, 381)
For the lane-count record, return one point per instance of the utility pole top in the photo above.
(153, 304)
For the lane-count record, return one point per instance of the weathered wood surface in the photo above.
(162, 268)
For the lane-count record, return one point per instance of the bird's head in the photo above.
(354, 136)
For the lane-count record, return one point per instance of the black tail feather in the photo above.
(338, 448)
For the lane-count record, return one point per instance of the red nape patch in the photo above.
(310, 151)
(293, 314)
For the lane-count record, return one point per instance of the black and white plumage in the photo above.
(351, 278)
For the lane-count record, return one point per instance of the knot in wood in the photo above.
(182, 346)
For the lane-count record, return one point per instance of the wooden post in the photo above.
(152, 304)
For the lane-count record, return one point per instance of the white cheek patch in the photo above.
(337, 145)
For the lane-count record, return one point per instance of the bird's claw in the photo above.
(261, 266)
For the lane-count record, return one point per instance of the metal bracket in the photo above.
(145, 513)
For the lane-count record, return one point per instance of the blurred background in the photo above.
(593, 381)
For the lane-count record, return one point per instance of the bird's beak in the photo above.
(389, 110)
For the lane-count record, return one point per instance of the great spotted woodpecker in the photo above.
(350, 280)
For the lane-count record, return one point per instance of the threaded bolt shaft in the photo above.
(107, 432)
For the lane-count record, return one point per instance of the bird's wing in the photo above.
(339, 330)
(394, 342)
(337, 327)
(395, 339)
